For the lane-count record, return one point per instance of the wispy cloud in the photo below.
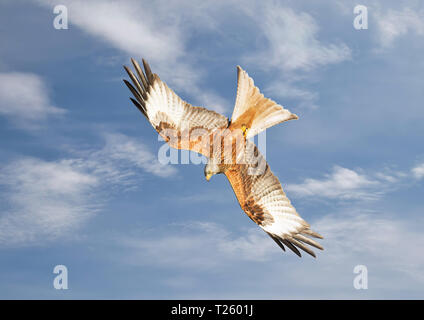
(122, 150)
(342, 183)
(292, 41)
(131, 26)
(49, 199)
(366, 234)
(351, 238)
(46, 200)
(288, 89)
(24, 98)
(418, 171)
(348, 184)
(163, 35)
(196, 245)
(393, 24)
(156, 31)
(293, 48)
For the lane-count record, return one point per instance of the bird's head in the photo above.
(211, 169)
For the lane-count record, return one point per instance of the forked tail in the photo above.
(254, 113)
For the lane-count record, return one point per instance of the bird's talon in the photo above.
(244, 129)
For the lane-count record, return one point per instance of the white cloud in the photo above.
(292, 47)
(347, 184)
(47, 200)
(286, 89)
(382, 239)
(134, 27)
(212, 101)
(24, 98)
(162, 33)
(386, 245)
(418, 171)
(292, 41)
(342, 183)
(393, 24)
(156, 31)
(127, 151)
(184, 246)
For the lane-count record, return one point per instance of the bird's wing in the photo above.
(179, 123)
(252, 110)
(262, 198)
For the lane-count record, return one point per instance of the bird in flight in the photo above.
(228, 148)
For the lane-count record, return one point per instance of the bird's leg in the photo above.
(244, 129)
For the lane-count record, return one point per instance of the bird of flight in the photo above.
(229, 151)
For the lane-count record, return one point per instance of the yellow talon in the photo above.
(244, 129)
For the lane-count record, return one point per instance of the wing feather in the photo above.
(171, 116)
(277, 241)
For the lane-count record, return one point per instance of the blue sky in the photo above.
(80, 181)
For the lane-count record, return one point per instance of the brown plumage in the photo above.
(183, 126)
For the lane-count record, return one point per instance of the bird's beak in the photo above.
(208, 176)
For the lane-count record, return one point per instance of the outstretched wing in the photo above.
(174, 119)
(262, 198)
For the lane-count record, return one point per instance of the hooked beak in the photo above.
(208, 176)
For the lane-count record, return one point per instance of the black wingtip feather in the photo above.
(148, 71)
(277, 241)
(139, 107)
(133, 90)
(136, 82)
(141, 83)
(291, 247)
(302, 247)
(140, 74)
